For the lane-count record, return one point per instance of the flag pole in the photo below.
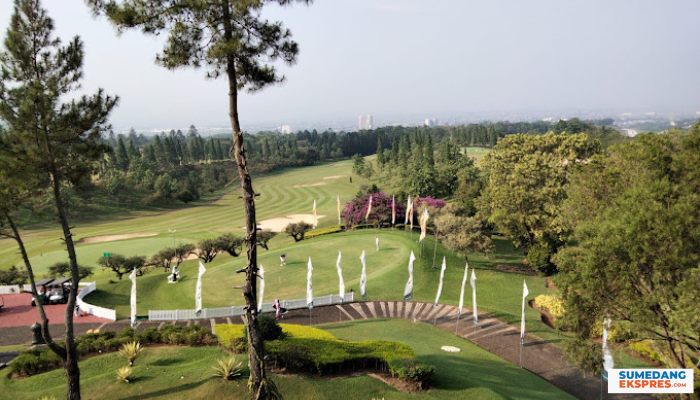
(437, 229)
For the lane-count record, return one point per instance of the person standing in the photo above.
(376, 241)
(283, 260)
(276, 306)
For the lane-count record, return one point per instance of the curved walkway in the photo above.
(540, 357)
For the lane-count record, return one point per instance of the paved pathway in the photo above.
(539, 357)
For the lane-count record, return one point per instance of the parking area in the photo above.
(18, 311)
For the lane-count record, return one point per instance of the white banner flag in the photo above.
(363, 277)
(472, 282)
(261, 274)
(522, 317)
(315, 218)
(408, 210)
(423, 224)
(309, 289)
(442, 276)
(339, 210)
(461, 293)
(133, 297)
(608, 362)
(408, 292)
(341, 285)
(198, 292)
(369, 209)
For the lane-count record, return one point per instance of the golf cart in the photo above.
(58, 291)
(41, 289)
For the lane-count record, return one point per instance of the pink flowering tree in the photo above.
(355, 211)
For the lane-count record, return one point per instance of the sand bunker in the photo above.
(112, 238)
(278, 224)
(333, 177)
(310, 185)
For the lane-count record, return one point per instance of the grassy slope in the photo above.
(278, 197)
(498, 292)
(473, 373)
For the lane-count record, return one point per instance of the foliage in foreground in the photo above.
(636, 256)
(35, 361)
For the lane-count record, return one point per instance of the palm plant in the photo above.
(131, 351)
(228, 369)
(123, 374)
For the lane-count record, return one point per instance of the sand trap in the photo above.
(278, 224)
(112, 238)
(333, 177)
(310, 185)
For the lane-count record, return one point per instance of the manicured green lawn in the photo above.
(278, 197)
(497, 291)
(185, 373)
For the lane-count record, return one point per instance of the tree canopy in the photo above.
(635, 253)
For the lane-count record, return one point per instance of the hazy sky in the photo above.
(399, 57)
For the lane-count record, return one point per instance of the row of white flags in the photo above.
(408, 292)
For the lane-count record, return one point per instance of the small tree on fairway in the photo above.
(55, 140)
(264, 237)
(231, 244)
(61, 269)
(207, 250)
(122, 265)
(297, 230)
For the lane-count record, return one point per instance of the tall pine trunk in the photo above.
(256, 350)
(70, 362)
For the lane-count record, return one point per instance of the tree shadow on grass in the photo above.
(168, 361)
(170, 390)
(457, 373)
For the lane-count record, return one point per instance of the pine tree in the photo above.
(429, 156)
(380, 153)
(395, 151)
(234, 41)
(133, 151)
(121, 154)
(58, 141)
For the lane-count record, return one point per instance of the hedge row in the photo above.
(35, 361)
(312, 350)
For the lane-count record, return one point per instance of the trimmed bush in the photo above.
(553, 304)
(34, 361)
(232, 337)
(645, 349)
(269, 327)
(325, 231)
(408, 369)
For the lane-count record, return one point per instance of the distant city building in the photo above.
(431, 122)
(365, 122)
(285, 129)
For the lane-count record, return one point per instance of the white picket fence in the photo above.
(89, 308)
(174, 315)
(9, 289)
